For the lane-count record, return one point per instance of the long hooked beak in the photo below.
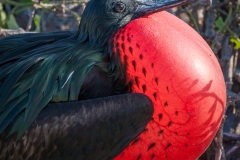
(146, 7)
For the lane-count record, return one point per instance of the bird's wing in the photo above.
(16, 45)
(40, 69)
(97, 129)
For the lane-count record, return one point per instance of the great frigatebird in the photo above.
(44, 77)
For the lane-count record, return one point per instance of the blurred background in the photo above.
(219, 25)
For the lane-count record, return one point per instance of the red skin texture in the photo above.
(172, 64)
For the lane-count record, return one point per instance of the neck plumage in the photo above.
(95, 35)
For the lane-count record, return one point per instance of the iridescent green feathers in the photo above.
(38, 68)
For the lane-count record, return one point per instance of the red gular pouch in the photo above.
(173, 65)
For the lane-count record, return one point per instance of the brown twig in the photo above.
(29, 25)
(220, 153)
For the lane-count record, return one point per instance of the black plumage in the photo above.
(92, 129)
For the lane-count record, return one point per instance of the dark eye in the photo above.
(119, 7)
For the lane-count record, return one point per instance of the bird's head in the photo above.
(101, 18)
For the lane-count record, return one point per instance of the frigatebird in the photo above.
(55, 88)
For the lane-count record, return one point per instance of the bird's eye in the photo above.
(119, 7)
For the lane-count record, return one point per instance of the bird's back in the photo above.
(21, 43)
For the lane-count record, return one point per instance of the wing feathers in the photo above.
(40, 71)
